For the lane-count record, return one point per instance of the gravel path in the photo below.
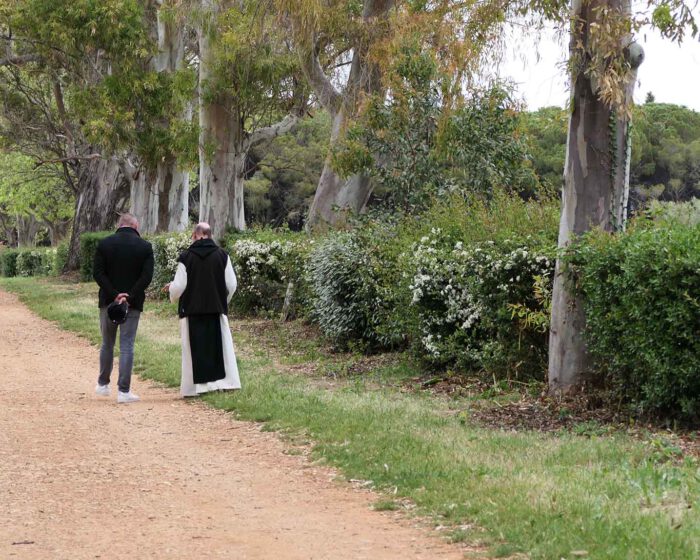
(82, 477)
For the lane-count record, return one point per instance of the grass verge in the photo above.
(547, 496)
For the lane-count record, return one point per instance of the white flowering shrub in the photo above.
(467, 300)
(166, 250)
(264, 268)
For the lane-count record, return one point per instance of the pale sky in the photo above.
(669, 71)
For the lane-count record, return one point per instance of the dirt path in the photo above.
(82, 477)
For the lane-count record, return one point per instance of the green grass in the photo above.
(550, 496)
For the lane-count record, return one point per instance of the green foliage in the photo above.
(280, 192)
(342, 297)
(669, 213)
(88, 247)
(545, 131)
(30, 192)
(642, 312)
(59, 263)
(265, 262)
(166, 250)
(35, 262)
(416, 148)
(8, 262)
(141, 111)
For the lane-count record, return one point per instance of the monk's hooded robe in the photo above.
(203, 286)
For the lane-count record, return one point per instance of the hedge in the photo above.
(641, 292)
(88, 246)
(8, 262)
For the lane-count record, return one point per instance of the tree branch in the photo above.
(268, 133)
(18, 60)
(67, 159)
(328, 96)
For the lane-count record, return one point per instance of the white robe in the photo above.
(231, 381)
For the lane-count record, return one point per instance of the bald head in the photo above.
(128, 220)
(201, 231)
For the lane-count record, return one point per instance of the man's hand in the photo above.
(121, 298)
(166, 288)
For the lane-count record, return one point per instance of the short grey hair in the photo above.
(203, 229)
(127, 220)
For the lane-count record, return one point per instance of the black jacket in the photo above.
(206, 280)
(123, 264)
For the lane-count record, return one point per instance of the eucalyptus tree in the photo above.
(365, 39)
(603, 62)
(54, 50)
(249, 94)
(159, 180)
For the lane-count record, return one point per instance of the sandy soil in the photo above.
(82, 477)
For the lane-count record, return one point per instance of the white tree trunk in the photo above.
(335, 197)
(27, 228)
(160, 197)
(594, 195)
(221, 163)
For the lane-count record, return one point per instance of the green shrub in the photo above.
(60, 260)
(35, 262)
(88, 246)
(483, 306)
(166, 249)
(642, 300)
(354, 294)
(8, 262)
(265, 262)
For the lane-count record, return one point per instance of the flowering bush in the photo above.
(469, 301)
(264, 269)
(166, 249)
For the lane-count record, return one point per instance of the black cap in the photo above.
(117, 312)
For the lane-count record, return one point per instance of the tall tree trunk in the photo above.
(160, 197)
(102, 193)
(27, 228)
(594, 195)
(336, 196)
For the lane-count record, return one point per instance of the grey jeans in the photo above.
(127, 336)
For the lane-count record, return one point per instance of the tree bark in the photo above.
(27, 228)
(335, 196)
(224, 144)
(102, 193)
(596, 180)
(160, 196)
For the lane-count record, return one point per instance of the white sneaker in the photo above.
(124, 398)
(102, 390)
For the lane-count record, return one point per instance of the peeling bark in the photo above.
(336, 196)
(596, 180)
(102, 193)
(160, 196)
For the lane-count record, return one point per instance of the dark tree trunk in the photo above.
(103, 192)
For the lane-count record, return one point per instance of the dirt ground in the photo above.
(82, 477)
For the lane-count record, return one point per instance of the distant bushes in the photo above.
(27, 262)
(642, 298)
(88, 247)
(8, 262)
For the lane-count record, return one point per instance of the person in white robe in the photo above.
(203, 286)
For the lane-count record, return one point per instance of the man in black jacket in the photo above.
(123, 268)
